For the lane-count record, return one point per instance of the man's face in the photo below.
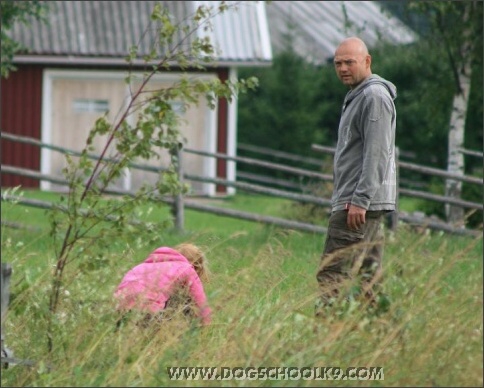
(352, 69)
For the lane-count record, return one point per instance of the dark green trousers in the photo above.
(351, 255)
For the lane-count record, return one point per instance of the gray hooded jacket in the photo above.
(364, 161)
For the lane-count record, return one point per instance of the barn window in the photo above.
(90, 106)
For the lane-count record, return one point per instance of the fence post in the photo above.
(178, 206)
(392, 220)
(6, 272)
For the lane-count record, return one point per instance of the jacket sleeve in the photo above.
(198, 296)
(377, 135)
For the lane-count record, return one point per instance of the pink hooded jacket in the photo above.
(149, 285)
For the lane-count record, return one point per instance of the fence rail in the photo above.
(418, 168)
(179, 203)
(261, 163)
(279, 154)
(477, 154)
(189, 204)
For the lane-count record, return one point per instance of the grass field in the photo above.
(262, 292)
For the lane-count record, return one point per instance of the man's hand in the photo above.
(356, 217)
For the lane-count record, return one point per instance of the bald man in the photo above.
(364, 181)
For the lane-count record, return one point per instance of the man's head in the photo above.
(352, 62)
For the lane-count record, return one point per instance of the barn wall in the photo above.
(20, 114)
(21, 106)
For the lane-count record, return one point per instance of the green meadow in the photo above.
(262, 291)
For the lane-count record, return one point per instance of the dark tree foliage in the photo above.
(285, 112)
(424, 99)
(281, 114)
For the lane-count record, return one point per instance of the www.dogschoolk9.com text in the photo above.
(275, 373)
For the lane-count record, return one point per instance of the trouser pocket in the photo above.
(346, 248)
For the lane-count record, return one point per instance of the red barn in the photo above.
(74, 71)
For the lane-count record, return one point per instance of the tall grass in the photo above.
(262, 291)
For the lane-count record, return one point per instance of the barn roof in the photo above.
(317, 27)
(103, 31)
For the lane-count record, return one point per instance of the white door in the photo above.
(74, 100)
(76, 105)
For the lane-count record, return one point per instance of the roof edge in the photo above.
(113, 61)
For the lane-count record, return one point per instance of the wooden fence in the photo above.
(418, 218)
(179, 203)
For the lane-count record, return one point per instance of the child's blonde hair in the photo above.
(196, 257)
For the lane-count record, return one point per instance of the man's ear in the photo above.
(368, 60)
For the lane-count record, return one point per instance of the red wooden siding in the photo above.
(21, 101)
(222, 124)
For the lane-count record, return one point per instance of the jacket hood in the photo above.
(165, 254)
(373, 79)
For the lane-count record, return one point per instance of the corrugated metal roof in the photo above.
(110, 28)
(317, 27)
(242, 31)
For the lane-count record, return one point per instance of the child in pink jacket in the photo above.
(165, 278)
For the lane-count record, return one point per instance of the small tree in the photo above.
(89, 219)
(12, 11)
